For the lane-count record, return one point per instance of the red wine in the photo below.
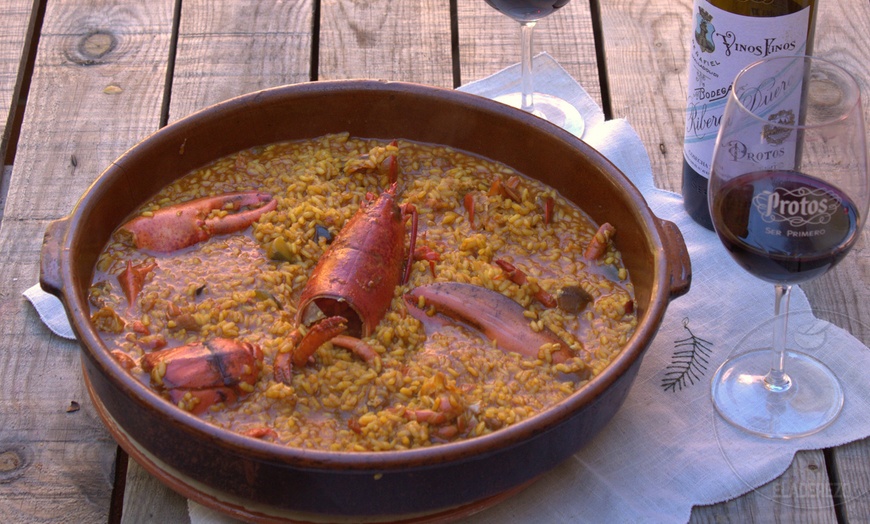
(784, 226)
(527, 10)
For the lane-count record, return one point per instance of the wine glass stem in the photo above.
(777, 380)
(528, 101)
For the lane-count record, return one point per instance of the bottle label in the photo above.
(723, 43)
(763, 134)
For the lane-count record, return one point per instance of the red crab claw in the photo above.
(549, 209)
(186, 224)
(200, 375)
(496, 316)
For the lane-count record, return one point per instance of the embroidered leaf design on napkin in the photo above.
(689, 361)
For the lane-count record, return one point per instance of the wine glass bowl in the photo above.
(788, 194)
(546, 106)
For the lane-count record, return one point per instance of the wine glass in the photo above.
(548, 107)
(788, 195)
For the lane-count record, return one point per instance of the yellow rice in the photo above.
(228, 287)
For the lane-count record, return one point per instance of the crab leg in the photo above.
(305, 345)
(182, 225)
(360, 348)
(496, 316)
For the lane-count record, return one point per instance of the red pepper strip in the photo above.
(132, 279)
(519, 278)
(598, 245)
(468, 202)
(495, 188)
(510, 188)
(427, 253)
(409, 209)
(393, 168)
(507, 189)
(549, 204)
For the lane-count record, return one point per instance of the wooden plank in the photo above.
(490, 41)
(14, 39)
(386, 40)
(852, 483)
(649, 39)
(147, 501)
(225, 49)
(58, 465)
(802, 494)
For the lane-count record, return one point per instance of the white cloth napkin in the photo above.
(666, 450)
(50, 310)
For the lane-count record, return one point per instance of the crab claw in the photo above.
(496, 316)
(304, 346)
(182, 225)
(200, 375)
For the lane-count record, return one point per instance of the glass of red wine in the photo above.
(546, 106)
(788, 195)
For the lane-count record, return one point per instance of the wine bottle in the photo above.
(728, 36)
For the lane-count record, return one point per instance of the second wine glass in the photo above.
(788, 194)
(549, 107)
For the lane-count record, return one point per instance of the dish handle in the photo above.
(677, 254)
(49, 258)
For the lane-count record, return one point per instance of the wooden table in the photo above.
(83, 80)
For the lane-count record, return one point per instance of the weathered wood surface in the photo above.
(842, 295)
(16, 16)
(58, 466)
(96, 90)
(402, 41)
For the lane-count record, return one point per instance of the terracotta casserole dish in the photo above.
(258, 480)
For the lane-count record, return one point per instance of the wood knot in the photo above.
(93, 47)
(13, 463)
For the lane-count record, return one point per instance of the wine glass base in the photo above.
(550, 108)
(811, 403)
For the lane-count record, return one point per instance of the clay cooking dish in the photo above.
(259, 480)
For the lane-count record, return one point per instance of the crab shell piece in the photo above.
(212, 371)
(182, 225)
